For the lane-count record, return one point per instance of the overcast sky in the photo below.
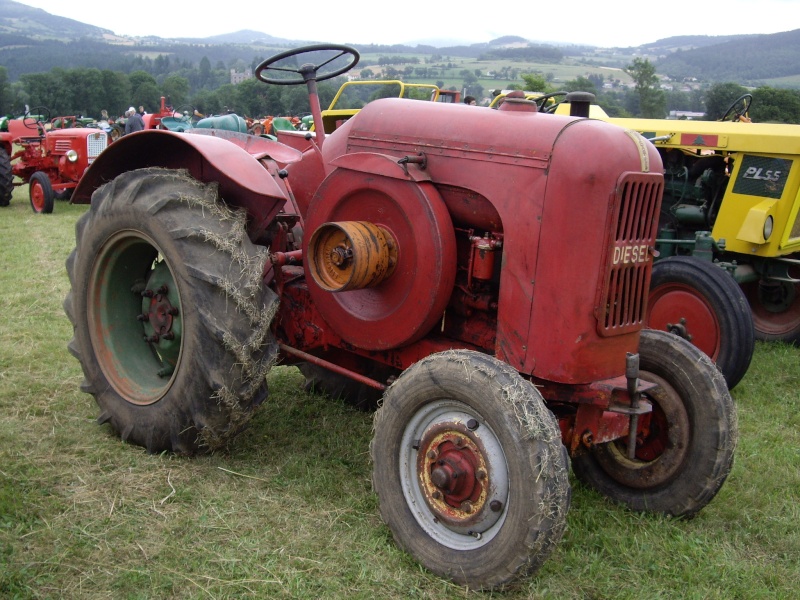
(608, 23)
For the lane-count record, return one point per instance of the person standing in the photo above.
(133, 121)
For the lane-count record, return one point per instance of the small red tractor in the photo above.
(482, 270)
(50, 160)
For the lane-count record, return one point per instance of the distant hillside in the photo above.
(20, 19)
(245, 36)
(34, 41)
(748, 60)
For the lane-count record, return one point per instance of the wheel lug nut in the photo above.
(437, 495)
(466, 506)
(459, 442)
(143, 317)
(152, 339)
(431, 454)
(472, 424)
(173, 311)
(480, 474)
(147, 294)
(496, 505)
(169, 336)
(162, 290)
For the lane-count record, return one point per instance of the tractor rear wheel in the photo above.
(171, 318)
(700, 302)
(469, 469)
(776, 308)
(685, 447)
(6, 179)
(41, 193)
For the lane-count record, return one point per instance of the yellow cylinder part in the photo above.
(351, 255)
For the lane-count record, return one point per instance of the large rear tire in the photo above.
(685, 452)
(700, 302)
(171, 318)
(469, 469)
(6, 179)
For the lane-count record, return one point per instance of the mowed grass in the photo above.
(288, 511)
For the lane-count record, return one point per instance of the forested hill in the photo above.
(745, 59)
(34, 23)
(34, 41)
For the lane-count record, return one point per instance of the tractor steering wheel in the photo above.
(542, 100)
(36, 117)
(306, 71)
(745, 100)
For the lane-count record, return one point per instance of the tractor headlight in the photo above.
(768, 227)
(72, 156)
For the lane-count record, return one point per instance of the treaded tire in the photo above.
(41, 193)
(193, 391)
(689, 452)
(713, 307)
(460, 405)
(6, 179)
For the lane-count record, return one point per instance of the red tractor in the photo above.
(486, 272)
(50, 160)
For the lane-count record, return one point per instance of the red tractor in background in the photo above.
(50, 160)
(482, 270)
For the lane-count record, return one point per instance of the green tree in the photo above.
(5, 92)
(176, 88)
(776, 105)
(116, 92)
(579, 84)
(44, 89)
(82, 91)
(250, 100)
(720, 96)
(536, 82)
(652, 103)
(204, 75)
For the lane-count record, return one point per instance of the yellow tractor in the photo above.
(733, 195)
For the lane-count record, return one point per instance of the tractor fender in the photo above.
(243, 180)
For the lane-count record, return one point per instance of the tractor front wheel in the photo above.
(41, 193)
(6, 179)
(685, 446)
(171, 318)
(469, 469)
(703, 304)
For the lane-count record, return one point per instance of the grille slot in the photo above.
(634, 222)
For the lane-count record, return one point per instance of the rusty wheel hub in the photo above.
(455, 474)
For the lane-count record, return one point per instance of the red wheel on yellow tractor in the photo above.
(703, 304)
(776, 308)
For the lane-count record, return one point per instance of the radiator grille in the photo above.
(95, 144)
(633, 225)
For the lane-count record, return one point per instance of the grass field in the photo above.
(288, 511)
